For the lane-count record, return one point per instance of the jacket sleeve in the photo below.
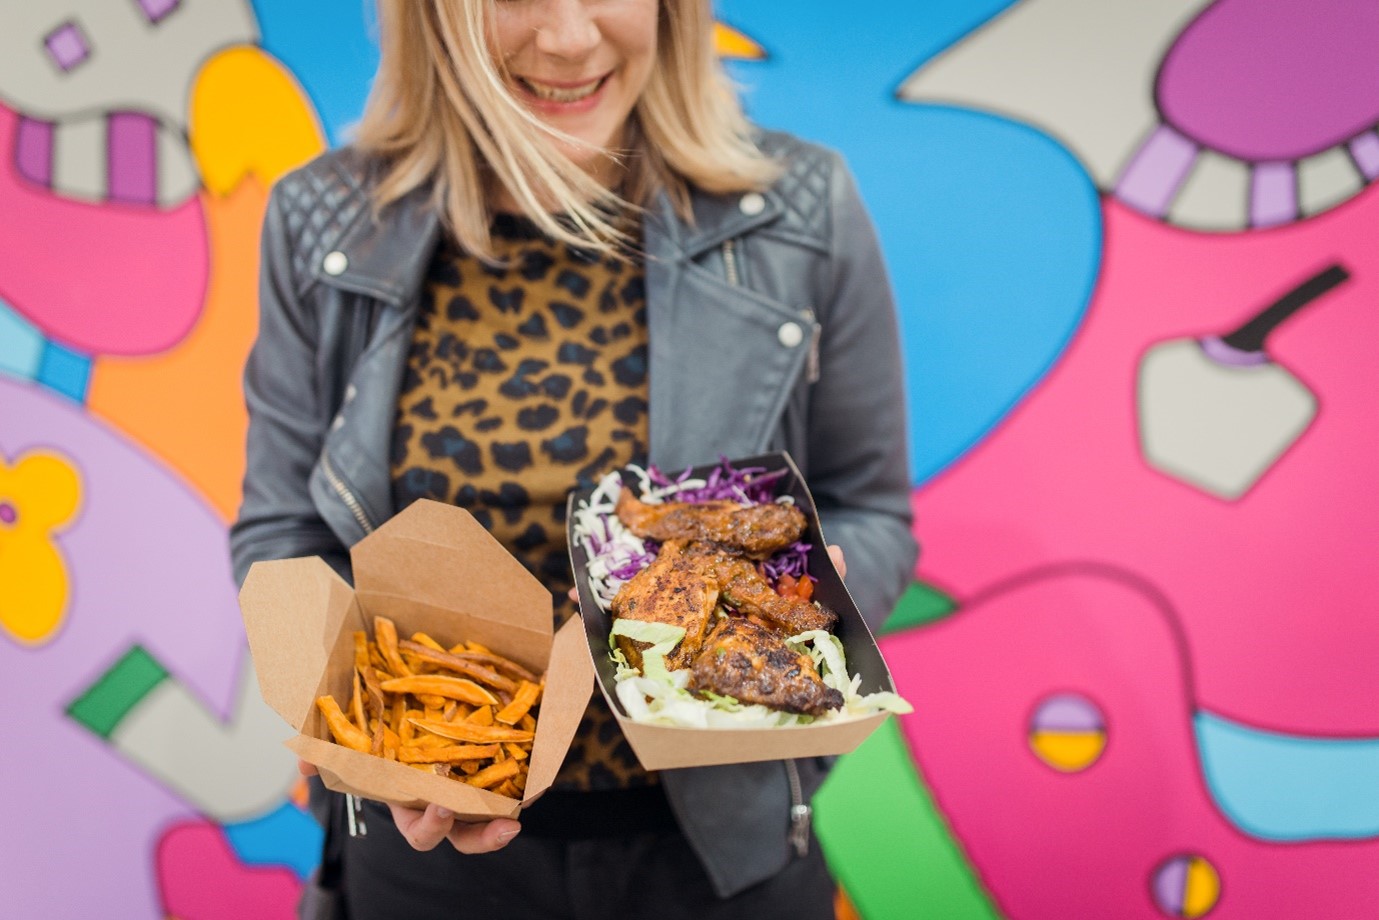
(287, 423)
(858, 460)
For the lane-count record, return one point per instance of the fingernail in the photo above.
(505, 836)
(443, 813)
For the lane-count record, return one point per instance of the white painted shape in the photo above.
(134, 66)
(1082, 71)
(230, 771)
(1217, 428)
(178, 178)
(80, 157)
(1326, 180)
(1216, 195)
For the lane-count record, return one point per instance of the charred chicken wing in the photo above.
(753, 665)
(672, 589)
(742, 585)
(756, 531)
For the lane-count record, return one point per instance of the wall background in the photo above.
(1141, 639)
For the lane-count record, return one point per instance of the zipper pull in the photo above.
(816, 332)
(354, 814)
(800, 816)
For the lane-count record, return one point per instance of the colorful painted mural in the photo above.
(1131, 246)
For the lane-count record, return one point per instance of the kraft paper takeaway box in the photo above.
(663, 747)
(433, 569)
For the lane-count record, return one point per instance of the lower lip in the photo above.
(552, 107)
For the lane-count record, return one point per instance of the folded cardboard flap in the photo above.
(293, 610)
(432, 555)
(573, 672)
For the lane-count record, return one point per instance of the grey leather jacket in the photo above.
(771, 327)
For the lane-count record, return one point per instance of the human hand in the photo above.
(306, 769)
(835, 553)
(425, 829)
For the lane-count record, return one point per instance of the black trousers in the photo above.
(652, 875)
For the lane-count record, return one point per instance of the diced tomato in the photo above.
(804, 588)
(786, 586)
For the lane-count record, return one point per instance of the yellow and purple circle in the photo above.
(1068, 732)
(1185, 885)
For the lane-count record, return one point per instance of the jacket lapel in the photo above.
(721, 367)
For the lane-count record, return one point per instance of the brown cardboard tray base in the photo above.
(663, 747)
(432, 568)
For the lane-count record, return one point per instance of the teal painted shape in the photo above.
(1288, 788)
(21, 344)
(286, 836)
(65, 371)
(886, 841)
(920, 605)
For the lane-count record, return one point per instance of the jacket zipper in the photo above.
(730, 261)
(815, 333)
(345, 494)
(800, 812)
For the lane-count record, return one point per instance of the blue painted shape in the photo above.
(21, 344)
(992, 230)
(1288, 788)
(287, 836)
(332, 50)
(64, 370)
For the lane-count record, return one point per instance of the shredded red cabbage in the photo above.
(753, 485)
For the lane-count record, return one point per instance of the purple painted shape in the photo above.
(1153, 177)
(7, 513)
(1068, 712)
(1217, 350)
(133, 158)
(148, 564)
(155, 10)
(1170, 886)
(1273, 195)
(1274, 80)
(67, 46)
(34, 151)
(1365, 150)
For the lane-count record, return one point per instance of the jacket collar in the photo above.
(386, 255)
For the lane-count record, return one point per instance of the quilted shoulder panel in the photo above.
(804, 187)
(320, 203)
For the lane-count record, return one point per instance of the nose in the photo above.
(567, 30)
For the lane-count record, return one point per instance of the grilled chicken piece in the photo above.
(742, 585)
(753, 664)
(672, 589)
(756, 530)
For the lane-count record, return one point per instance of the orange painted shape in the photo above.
(732, 44)
(186, 405)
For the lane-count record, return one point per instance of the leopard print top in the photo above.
(524, 382)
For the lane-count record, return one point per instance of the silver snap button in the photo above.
(790, 334)
(752, 204)
(335, 263)
(351, 391)
(337, 423)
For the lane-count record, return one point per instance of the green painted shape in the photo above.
(887, 843)
(920, 604)
(117, 691)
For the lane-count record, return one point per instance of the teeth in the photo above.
(562, 94)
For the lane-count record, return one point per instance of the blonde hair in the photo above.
(440, 113)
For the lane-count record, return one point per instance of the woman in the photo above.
(556, 247)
